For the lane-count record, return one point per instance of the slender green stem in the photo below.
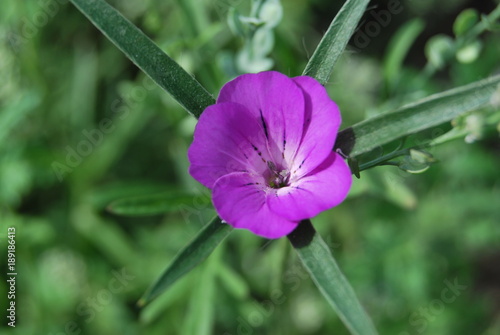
(383, 160)
(480, 27)
(474, 32)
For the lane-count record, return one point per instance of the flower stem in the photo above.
(383, 160)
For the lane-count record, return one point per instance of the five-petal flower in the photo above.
(265, 151)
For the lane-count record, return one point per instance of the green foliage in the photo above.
(439, 50)
(398, 238)
(465, 21)
(150, 204)
(332, 45)
(257, 32)
(317, 258)
(415, 117)
(196, 251)
(147, 55)
(398, 49)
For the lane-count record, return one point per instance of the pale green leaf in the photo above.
(398, 48)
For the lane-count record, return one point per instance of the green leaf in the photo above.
(465, 21)
(189, 257)
(398, 48)
(334, 42)
(147, 55)
(412, 118)
(199, 317)
(152, 204)
(232, 281)
(326, 274)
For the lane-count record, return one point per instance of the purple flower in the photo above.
(265, 151)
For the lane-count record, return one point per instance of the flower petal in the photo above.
(321, 124)
(325, 187)
(227, 139)
(243, 204)
(277, 102)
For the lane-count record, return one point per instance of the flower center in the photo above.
(277, 178)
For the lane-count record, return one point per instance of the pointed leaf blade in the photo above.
(319, 262)
(189, 257)
(335, 40)
(147, 55)
(412, 118)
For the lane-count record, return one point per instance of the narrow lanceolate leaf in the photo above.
(147, 55)
(399, 47)
(424, 114)
(152, 204)
(334, 42)
(193, 254)
(319, 262)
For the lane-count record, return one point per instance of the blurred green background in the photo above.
(81, 126)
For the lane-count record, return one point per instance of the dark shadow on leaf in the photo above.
(345, 141)
(302, 235)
